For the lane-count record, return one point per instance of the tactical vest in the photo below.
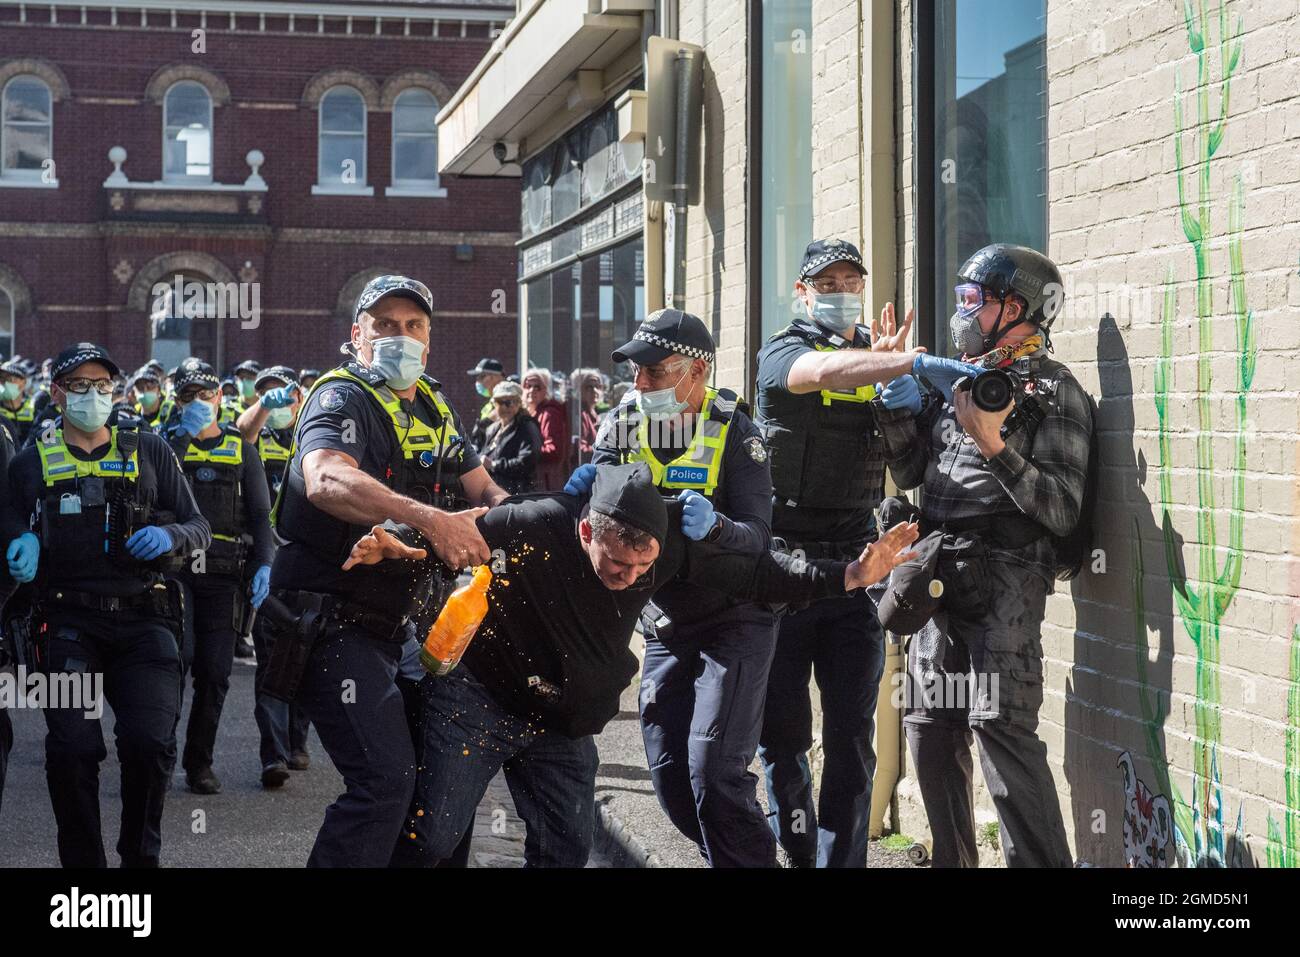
(214, 477)
(23, 415)
(275, 459)
(88, 509)
(412, 471)
(822, 446)
(230, 411)
(700, 465)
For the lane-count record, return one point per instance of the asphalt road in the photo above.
(243, 826)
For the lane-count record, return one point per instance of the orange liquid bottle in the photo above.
(456, 624)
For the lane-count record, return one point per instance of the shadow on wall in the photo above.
(1116, 816)
(715, 210)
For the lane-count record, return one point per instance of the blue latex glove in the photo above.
(148, 543)
(280, 398)
(942, 372)
(23, 554)
(261, 585)
(581, 481)
(901, 393)
(196, 417)
(698, 516)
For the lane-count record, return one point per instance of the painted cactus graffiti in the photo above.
(1204, 596)
(1284, 839)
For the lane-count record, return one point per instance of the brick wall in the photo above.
(304, 249)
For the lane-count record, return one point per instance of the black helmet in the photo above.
(1007, 269)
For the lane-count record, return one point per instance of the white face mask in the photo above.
(662, 403)
(89, 410)
(280, 418)
(399, 359)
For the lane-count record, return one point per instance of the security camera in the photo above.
(505, 152)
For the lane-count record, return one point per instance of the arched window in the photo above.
(6, 324)
(415, 139)
(27, 133)
(341, 157)
(187, 132)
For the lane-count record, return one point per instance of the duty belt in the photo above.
(340, 611)
(89, 600)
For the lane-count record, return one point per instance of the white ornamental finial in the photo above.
(117, 156)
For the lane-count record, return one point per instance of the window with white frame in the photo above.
(187, 132)
(415, 140)
(341, 156)
(27, 132)
(6, 324)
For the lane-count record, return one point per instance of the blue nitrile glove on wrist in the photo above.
(698, 516)
(148, 543)
(23, 554)
(901, 393)
(942, 373)
(196, 417)
(581, 481)
(261, 585)
(280, 398)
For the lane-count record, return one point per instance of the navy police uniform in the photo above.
(827, 466)
(98, 610)
(707, 655)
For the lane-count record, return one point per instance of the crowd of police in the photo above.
(155, 523)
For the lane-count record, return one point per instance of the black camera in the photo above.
(992, 389)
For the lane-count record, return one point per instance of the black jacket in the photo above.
(514, 452)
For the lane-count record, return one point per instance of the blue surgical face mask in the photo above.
(280, 418)
(149, 399)
(89, 410)
(10, 391)
(837, 312)
(399, 359)
(662, 403)
(482, 390)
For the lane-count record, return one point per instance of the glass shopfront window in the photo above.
(786, 184)
(990, 135)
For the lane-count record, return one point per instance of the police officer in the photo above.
(246, 381)
(307, 378)
(6, 588)
(225, 474)
(818, 411)
(269, 422)
(706, 656)
(151, 405)
(1012, 479)
(17, 407)
(375, 441)
(106, 508)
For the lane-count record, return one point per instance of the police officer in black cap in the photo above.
(707, 655)
(17, 408)
(269, 422)
(98, 514)
(375, 441)
(153, 408)
(821, 395)
(226, 476)
(246, 381)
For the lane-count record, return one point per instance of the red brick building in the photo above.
(284, 151)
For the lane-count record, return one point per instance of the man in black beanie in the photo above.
(548, 664)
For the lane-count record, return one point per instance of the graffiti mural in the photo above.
(1284, 839)
(1148, 825)
(1203, 597)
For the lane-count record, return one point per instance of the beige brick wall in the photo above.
(715, 270)
(1114, 219)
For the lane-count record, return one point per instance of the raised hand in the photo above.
(881, 557)
(379, 545)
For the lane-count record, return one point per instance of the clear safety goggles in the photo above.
(971, 296)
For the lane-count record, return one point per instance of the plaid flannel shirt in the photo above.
(1041, 472)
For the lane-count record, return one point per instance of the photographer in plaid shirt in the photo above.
(1010, 483)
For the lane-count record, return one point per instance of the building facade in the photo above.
(1154, 153)
(222, 178)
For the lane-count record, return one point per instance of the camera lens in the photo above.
(991, 390)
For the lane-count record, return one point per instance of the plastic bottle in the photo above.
(456, 625)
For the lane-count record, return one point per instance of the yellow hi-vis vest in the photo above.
(24, 413)
(419, 441)
(863, 393)
(271, 450)
(59, 465)
(700, 466)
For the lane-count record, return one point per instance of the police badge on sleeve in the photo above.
(333, 399)
(757, 450)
